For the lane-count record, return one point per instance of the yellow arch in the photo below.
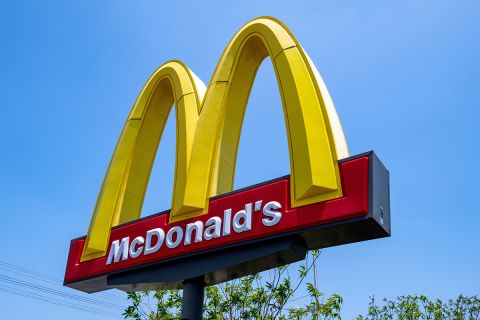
(123, 189)
(206, 146)
(316, 139)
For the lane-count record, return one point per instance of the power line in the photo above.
(28, 271)
(57, 292)
(27, 283)
(49, 279)
(30, 276)
(54, 301)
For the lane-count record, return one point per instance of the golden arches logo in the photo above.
(209, 122)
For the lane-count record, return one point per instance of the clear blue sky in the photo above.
(404, 75)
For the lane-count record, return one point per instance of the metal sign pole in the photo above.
(192, 303)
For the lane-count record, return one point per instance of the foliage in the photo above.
(251, 297)
(270, 295)
(419, 307)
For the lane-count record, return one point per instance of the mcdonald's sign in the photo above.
(330, 198)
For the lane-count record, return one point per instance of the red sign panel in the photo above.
(256, 212)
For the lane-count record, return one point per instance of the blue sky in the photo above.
(404, 76)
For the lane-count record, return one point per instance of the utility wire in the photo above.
(57, 292)
(54, 301)
(30, 273)
(49, 279)
(26, 283)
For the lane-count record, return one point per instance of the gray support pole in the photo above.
(192, 303)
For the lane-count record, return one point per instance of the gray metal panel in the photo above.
(214, 268)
